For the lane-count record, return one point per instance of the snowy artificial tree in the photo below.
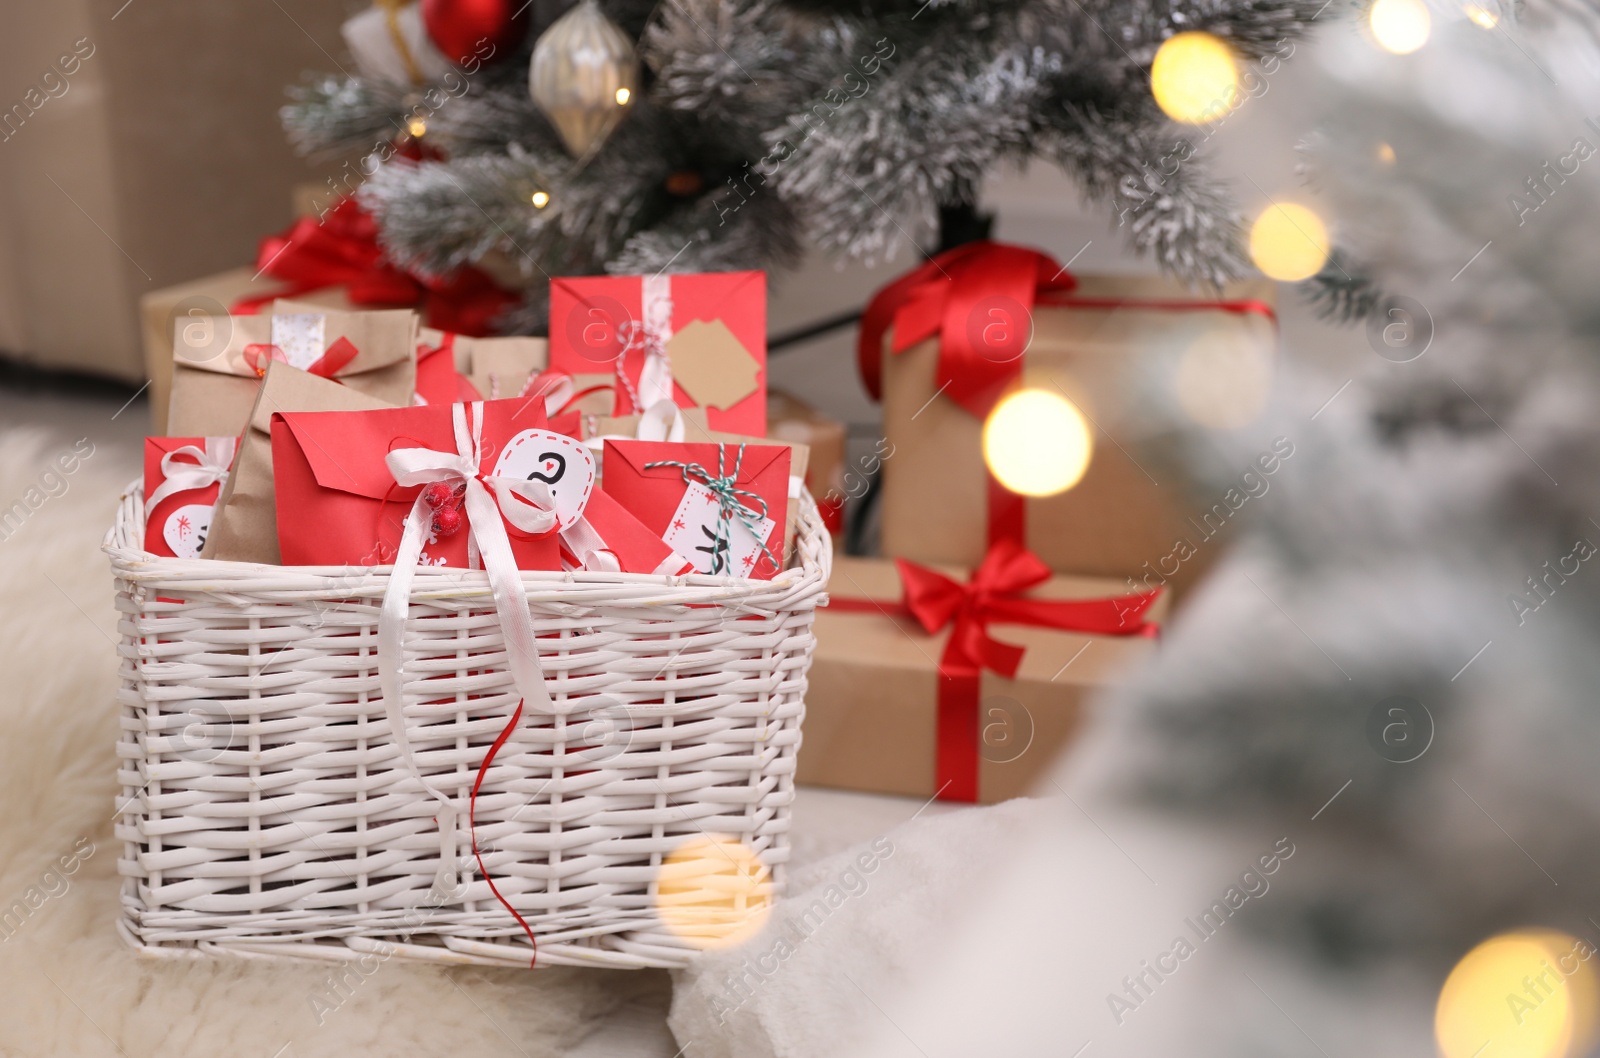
(757, 126)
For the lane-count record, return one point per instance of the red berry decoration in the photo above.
(438, 495)
(447, 521)
(464, 29)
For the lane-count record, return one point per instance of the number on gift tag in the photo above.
(711, 543)
(561, 462)
(186, 529)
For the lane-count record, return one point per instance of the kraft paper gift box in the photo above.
(214, 389)
(244, 526)
(791, 419)
(194, 315)
(1086, 343)
(699, 340)
(873, 701)
(490, 368)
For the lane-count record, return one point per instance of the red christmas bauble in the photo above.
(462, 29)
(446, 521)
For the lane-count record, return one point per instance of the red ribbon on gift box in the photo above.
(978, 299)
(995, 594)
(342, 249)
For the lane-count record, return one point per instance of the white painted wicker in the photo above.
(265, 809)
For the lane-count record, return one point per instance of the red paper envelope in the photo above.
(438, 381)
(182, 478)
(338, 503)
(689, 518)
(700, 339)
(635, 548)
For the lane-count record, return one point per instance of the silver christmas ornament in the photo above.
(584, 76)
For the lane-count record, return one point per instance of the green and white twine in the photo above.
(724, 487)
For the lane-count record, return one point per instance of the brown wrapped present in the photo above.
(244, 527)
(791, 419)
(195, 315)
(373, 353)
(949, 350)
(894, 708)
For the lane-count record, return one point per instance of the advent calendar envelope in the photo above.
(688, 516)
(182, 478)
(618, 533)
(698, 339)
(338, 502)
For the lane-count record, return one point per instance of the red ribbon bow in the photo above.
(329, 364)
(994, 594)
(342, 249)
(979, 299)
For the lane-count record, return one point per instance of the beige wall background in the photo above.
(161, 161)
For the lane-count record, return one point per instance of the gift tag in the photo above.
(694, 533)
(561, 462)
(186, 529)
(711, 365)
(300, 337)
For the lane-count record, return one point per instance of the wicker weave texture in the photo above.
(265, 809)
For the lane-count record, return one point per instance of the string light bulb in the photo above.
(1482, 16)
(623, 95)
(541, 199)
(1289, 242)
(1037, 443)
(417, 126)
(1195, 78)
(1530, 994)
(1400, 26)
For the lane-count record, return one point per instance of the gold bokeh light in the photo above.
(1037, 443)
(714, 892)
(1195, 78)
(1289, 242)
(1529, 994)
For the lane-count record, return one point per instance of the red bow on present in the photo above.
(994, 594)
(343, 250)
(330, 363)
(979, 299)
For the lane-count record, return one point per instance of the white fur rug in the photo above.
(71, 986)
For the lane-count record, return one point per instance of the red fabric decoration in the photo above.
(343, 250)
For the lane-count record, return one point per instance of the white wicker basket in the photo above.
(265, 809)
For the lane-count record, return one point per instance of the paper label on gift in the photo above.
(714, 544)
(186, 529)
(561, 462)
(300, 337)
(711, 365)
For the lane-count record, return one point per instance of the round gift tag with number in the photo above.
(561, 462)
(186, 529)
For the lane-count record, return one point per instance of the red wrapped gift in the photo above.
(620, 543)
(438, 380)
(721, 506)
(182, 479)
(697, 340)
(347, 480)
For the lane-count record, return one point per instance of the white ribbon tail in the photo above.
(590, 548)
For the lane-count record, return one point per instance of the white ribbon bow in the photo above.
(526, 505)
(209, 466)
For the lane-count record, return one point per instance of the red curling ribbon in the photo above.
(342, 250)
(472, 829)
(995, 594)
(978, 300)
(335, 359)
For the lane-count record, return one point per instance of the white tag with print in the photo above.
(694, 534)
(561, 462)
(300, 336)
(186, 529)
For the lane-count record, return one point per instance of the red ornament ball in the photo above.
(447, 521)
(438, 495)
(464, 29)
